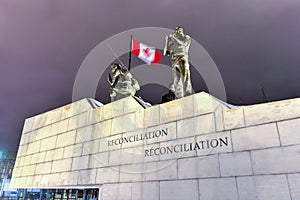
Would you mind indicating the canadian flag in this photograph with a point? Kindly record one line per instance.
(148, 54)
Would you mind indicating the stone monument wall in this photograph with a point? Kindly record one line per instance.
(196, 147)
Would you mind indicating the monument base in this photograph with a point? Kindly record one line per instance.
(196, 147)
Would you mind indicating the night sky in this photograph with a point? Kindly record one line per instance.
(43, 43)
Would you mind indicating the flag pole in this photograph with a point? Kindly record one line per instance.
(129, 64)
(264, 97)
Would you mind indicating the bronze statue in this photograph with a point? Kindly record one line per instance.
(177, 46)
(122, 84)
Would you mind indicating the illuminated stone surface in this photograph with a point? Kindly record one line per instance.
(190, 148)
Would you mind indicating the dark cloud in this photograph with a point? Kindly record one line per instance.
(43, 43)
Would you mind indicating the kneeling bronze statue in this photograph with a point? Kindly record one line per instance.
(122, 84)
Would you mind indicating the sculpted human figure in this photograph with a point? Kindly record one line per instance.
(122, 84)
(177, 46)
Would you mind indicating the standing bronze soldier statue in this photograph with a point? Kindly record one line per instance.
(177, 46)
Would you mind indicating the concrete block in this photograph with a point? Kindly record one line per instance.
(274, 187)
(75, 108)
(103, 146)
(14, 183)
(66, 139)
(17, 172)
(78, 121)
(18, 162)
(205, 103)
(134, 138)
(102, 129)
(131, 173)
(58, 154)
(71, 110)
(198, 167)
(53, 129)
(82, 120)
(87, 177)
(289, 132)
(61, 165)
(162, 170)
(80, 163)
(22, 151)
(271, 112)
(44, 180)
(116, 191)
(175, 149)
(26, 160)
(126, 156)
(109, 192)
(145, 191)
(113, 109)
(120, 157)
(67, 111)
(196, 126)
(149, 152)
(85, 104)
(99, 160)
(36, 181)
(256, 137)
(108, 175)
(22, 181)
(139, 118)
(178, 190)
(25, 139)
(294, 182)
(112, 143)
(32, 136)
(139, 154)
(235, 164)
(42, 133)
(84, 134)
(276, 160)
(176, 110)
(68, 178)
(161, 133)
(29, 180)
(38, 158)
(28, 170)
(73, 151)
(63, 126)
(220, 188)
(53, 180)
(124, 191)
(234, 118)
(55, 154)
(39, 121)
(48, 143)
(151, 116)
(53, 116)
(95, 115)
(219, 118)
(28, 125)
(131, 105)
(33, 147)
(91, 147)
(171, 111)
(43, 168)
(214, 143)
(73, 123)
(123, 124)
